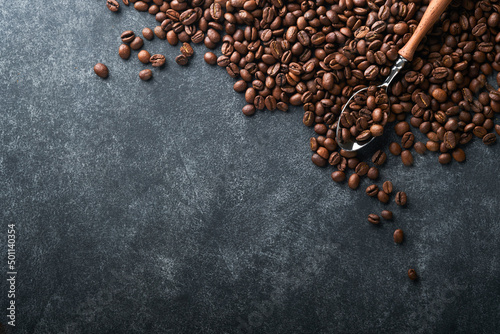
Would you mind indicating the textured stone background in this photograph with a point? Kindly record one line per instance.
(157, 207)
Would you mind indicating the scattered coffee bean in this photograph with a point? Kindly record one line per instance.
(400, 198)
(101, 70)
(407, 158)
(353, 181)
(148, 34)
(187, 50)
(157, 60)
(145, 74)
(372, 190)
(398, 236)
(412, 274)
(127, 36)
(181, 60)
(113, 5)
(210, 58)
(124, 51)
(386, 214)
(395, 148)
(144, 56)
(379, 158)
(374, 219)
(382, 196)
(338, 176)
(137, 43)
(387, 187)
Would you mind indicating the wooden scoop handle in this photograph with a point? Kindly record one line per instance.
(431, 15)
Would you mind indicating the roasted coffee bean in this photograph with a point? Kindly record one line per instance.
(127, 36)
(181, 60)
(412, 274)
(187, 50)
(124, 51)
(489, 139)
(148, 33)
(248, 110)
(145, 74)
(353, 181)
(382, 196)
(398, 236)
(419, 147)
(338, 176)
(372, 190)
(210, 58)
(444, 158)
(373, 218)
(400, 198)
(386, 214)
(137, 43)
(407, 158)
(387, 187)
(459, 155)
(379, 158)
(407, 140)
(113, 5)
(101, 70)
(157, 60)
(395, 148)
(373, 173)
(144, 56)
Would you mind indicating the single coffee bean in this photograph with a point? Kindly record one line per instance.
(373, 173)
(338, 176)
(387, 187)
(124, 51)
(497, 129)
(382, 197)
(395, 148)
(127, 36)
(400, 198)
(419, 147)
(101, 70)
(412, 274)
(148, 33)
(401, 128)
(137, 43)
(379, 158)
(113, 5)
(386, 214)
(248, 110)
(210, 58)
(317, 159)
(444, 158)
(374, 219)
(157, 60)
(187, 50)
(144, 56)
(407, 158)
(398, 236)
(181, 60)
(372, 190)
(458, 154)
(353, 181)
(489, 139)
(145, 74)
(407, 140)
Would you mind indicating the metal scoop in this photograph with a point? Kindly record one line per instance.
(431, 15)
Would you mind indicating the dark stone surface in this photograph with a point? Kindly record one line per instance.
(157, 207)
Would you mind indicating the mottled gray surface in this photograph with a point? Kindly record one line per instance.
(159, 208)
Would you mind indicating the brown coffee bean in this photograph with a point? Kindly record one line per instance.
(113, 5)
(148, 33)
(145, 74)
(373, 173)
(317, 159)
(127, 36)
(372, 190)
(400, 198)
(187, 50)
(124, 51)
(379, 158)
(386, 214)
(407, 158)
(353, 181)
(489, 139)
(210, 58)
(248, 110)
(157, 60)
(338, 176)
(407, 140)
(412, 274)
(181, 60)
(387, 187)
(444, 158)
(137, 43)
(459, 155)
(374, 219)
(419, 147)
(398, 236)
(101, 70)
(401, 128)
(144, 56)
(395, 148)
(382, 197)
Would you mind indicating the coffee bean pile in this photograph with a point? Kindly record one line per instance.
(317, 53)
